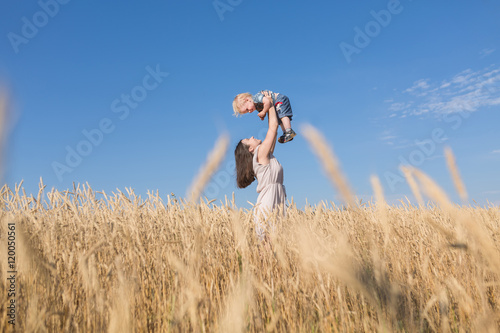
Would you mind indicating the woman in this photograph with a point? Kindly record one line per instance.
(255, 159)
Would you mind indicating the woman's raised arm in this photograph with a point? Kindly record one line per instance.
(267, 146)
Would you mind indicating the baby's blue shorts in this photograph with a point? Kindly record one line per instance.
(283, 107)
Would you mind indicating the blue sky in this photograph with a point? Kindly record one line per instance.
(141, 91)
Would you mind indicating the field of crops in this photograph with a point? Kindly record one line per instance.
(92, 262)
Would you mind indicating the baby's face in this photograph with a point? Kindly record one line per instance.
(247, 106)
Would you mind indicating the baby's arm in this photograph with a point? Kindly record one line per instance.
(268, 102)
(262, 115)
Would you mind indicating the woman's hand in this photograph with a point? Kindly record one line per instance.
(268, 95)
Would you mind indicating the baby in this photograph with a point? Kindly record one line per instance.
(248, 103)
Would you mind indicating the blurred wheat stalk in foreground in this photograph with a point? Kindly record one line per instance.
(214, 159)
(94, 261)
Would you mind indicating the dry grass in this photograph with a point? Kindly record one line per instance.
(117, 262)
(455, 175)
(214, 159)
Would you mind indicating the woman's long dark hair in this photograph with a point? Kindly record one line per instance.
(244, 165)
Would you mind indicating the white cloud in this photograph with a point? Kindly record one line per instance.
(387, 137)
(486, 52)
(497, 151)
(418, 86)
(399, 106)
(491, 73)
(466, 91)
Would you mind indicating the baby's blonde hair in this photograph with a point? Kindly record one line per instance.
(237, 101)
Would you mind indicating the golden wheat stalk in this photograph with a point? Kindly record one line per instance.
(407, 171)
(234, 315)
(214, 159)
(455, 175)
(329, 161)
(433, 191)
(121, 316)
(382, 214)
(378, 191)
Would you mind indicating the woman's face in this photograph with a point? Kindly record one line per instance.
(252, 143)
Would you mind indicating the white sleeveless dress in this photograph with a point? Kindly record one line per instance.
(270, 187)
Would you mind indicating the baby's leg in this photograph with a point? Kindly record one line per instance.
(285, 123)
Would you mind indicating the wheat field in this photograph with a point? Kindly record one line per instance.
(91, 261)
